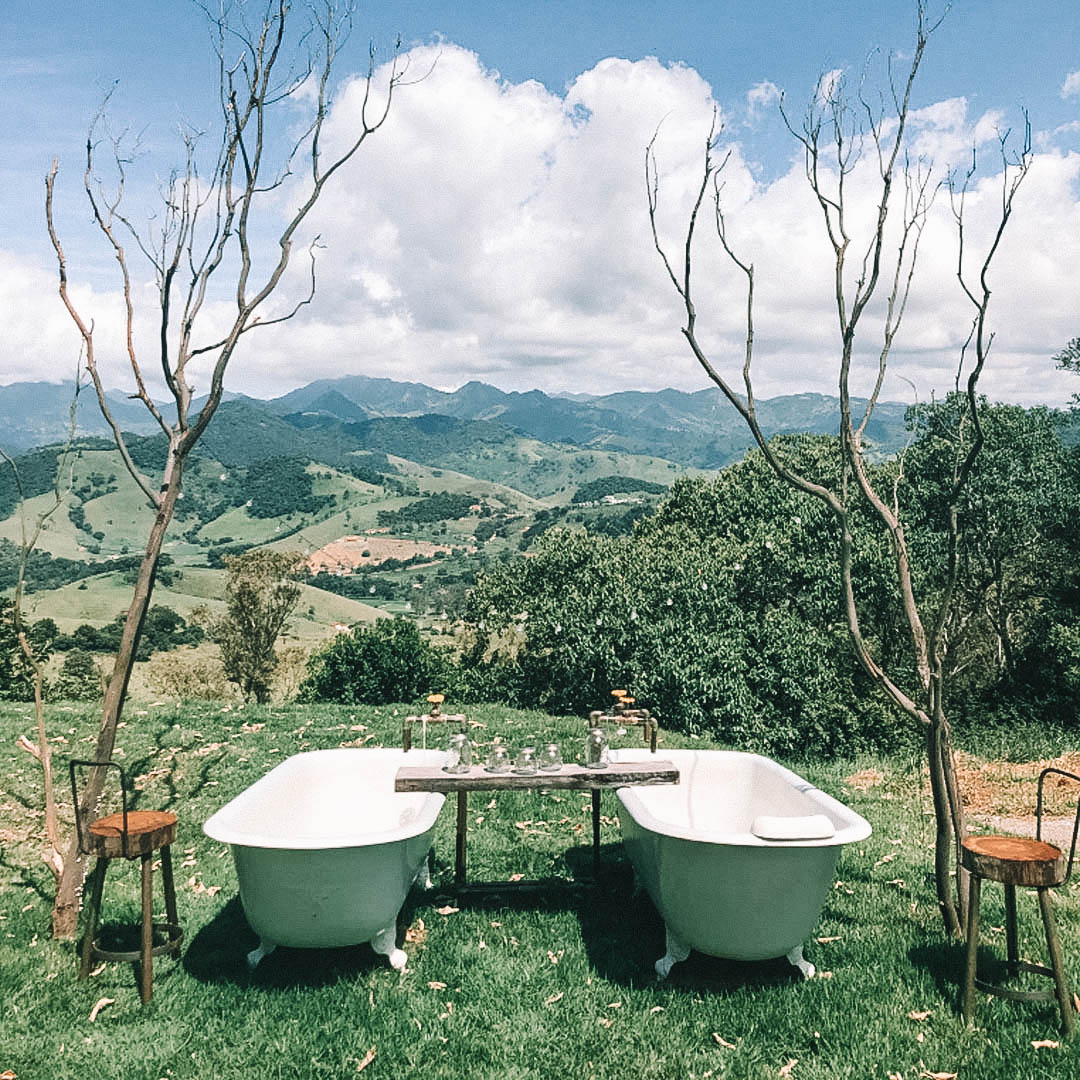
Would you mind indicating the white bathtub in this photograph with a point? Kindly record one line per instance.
(738, 857)
(326, 850)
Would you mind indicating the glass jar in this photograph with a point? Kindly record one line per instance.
(525, 762)
(596, 749)
(498, 759)
(551, 758)
(458, 753)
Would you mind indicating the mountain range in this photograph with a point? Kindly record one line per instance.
(329, 416)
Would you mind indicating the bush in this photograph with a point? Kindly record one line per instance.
(375, 665)
(79, 678)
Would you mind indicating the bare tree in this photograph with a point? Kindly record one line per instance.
(836, 135)
(206, 244)
(29, 536)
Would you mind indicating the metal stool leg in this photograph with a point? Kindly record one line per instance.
(146, 959)
(1057, 965)
(93, 912)
(972, 947)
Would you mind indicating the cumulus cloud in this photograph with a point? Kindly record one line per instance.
(499, 231)
(1071, 86)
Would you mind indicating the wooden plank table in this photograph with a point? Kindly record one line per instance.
(567, 778)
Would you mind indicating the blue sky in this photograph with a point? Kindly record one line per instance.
(532, 266)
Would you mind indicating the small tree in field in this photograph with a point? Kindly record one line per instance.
(260, 595)
(206, 246)
(836, 136)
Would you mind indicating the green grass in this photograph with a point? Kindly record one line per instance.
(553, 984)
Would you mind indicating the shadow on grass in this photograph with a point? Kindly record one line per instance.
(623, 936)
(218, 954)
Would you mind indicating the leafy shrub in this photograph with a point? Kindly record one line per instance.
(190, 675)
(375, 665)
(79, 678)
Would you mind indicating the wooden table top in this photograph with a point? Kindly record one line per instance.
(569, 777)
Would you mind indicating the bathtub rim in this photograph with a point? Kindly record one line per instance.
(851, 827)
(218, 826)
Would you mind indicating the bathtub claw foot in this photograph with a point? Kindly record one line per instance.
(385, 944)
(423, 875)
(256, 956)
(677, 951)
(796, 959)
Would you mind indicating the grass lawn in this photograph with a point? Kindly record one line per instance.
(555, 984)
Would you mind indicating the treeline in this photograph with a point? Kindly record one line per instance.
(440, 506)
(597, 489)
(723, 611)
(45, 571)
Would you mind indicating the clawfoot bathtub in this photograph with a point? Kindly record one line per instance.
(326, 850)
(738, 857)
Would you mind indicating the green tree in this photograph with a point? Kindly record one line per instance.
(79, 678)
(16, 670)
(386, 662)
(260, 594)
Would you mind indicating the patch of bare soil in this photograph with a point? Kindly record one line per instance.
(350, 552)
(1009, 789)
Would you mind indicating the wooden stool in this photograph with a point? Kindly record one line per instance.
(129, 834)
(1033, 864)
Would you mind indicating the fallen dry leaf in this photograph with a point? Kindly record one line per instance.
(917, 1014)
(555, 957)
(603, 1021)
(721, 1041)
(786, 1070)
(938, 1075)
(896, 1076)
(101, 1003)
(1076, 1002)
(826, 940)
(447, 910)
(97, 971)
(1045, 1044)
(886, 858)
(366, 1060)
(417, 933)
(614, 1004)
(436, 985)
(823, 975)
(8, 1074)
(516, 877)
(554, 997)
(655, 1009)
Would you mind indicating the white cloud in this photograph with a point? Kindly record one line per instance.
(499, 231)
(1071, 86)
(762, 95)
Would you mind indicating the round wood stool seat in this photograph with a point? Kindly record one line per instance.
(1013, 860)
(147, 830)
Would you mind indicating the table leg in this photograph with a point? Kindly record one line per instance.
(462, 829)
(596, 831)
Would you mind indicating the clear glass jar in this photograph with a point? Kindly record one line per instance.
(498, 759)
(596, 749)
(525, 762)
(551, 758)
(458, 753)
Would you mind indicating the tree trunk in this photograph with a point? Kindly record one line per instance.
(943, 790)
(65, 915)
